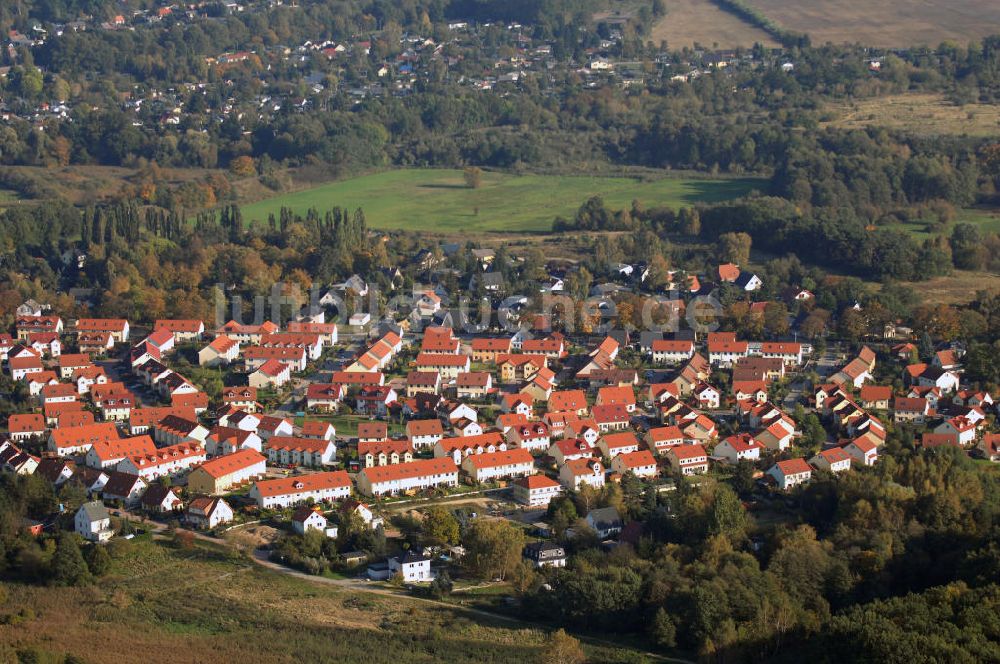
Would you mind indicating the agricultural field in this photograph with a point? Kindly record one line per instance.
(885, 23)
(690, 22)
(924, 114)
(165, 605)
(439, 200)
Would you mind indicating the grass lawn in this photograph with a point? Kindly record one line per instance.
(438, 200)
(200, 606)
(347, 425)
(988, 221)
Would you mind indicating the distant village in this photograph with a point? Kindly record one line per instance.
(318, 422)
(359, 78)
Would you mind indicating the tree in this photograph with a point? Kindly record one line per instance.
(662, 630)
(98, 560)
(242, 166)
(561, 648)
(727, 516)
(473, 176)
(735, 247)
(492, 548)
(440, 527)
(68, 566)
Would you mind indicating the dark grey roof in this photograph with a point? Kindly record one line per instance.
(95, 510)
(603, 518)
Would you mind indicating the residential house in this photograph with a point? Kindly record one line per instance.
(93, 522)
(408, 477)
(424, 434)
(688, 459)
(221, 474)
(536, 490)
(575, 472)
(790, 473)
(834, 460)
(737, 448)
(287, 491)
(545, 554)
(207, 512)
(292, 451)
(640, 463)
(503, 464)
(606, 521)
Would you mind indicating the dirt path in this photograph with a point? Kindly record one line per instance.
(260, 557)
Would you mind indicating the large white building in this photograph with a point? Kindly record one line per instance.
(404, 477)
(504, 464)
(288, 491)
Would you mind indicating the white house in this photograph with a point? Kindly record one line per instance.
(790, 473)
(741, 447)
(93, 522)
(834, 460)
(575, 472)
(640, 463)
(503, 464)
(407, 477)
(413, 567)
(207, 512)
(536, 490)
(287, 491)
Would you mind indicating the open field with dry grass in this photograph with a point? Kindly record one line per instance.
(958, 288)
(690, 22)
(926, 114)
(162, 604)
(885, 22)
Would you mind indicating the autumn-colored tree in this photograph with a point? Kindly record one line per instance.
(473, 176)
(243, 166)
(776, 318)
(561, 648)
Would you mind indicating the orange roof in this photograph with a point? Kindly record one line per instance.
(532, 482)
(794, 466)
(231, 463)
(638, 459)
(387, 446)
(222, 343)
(500, 345)
(167, 455)
(24, 423)
(420, 468)
(464, 442)
(67, 360)
(441, 360)
(85, 435)
(102, 324)
(621, 439)
(191, 326)
(424, 428)
(294, 443)
(729, 272)
(672, 346)
(875, 393)
(567, 400)
(335, 479)
(120, 448)
(501, 458)
(688, 452)
(616, 395)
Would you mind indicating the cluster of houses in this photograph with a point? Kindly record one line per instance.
(542, 414)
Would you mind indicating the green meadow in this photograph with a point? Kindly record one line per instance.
(439, 201)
